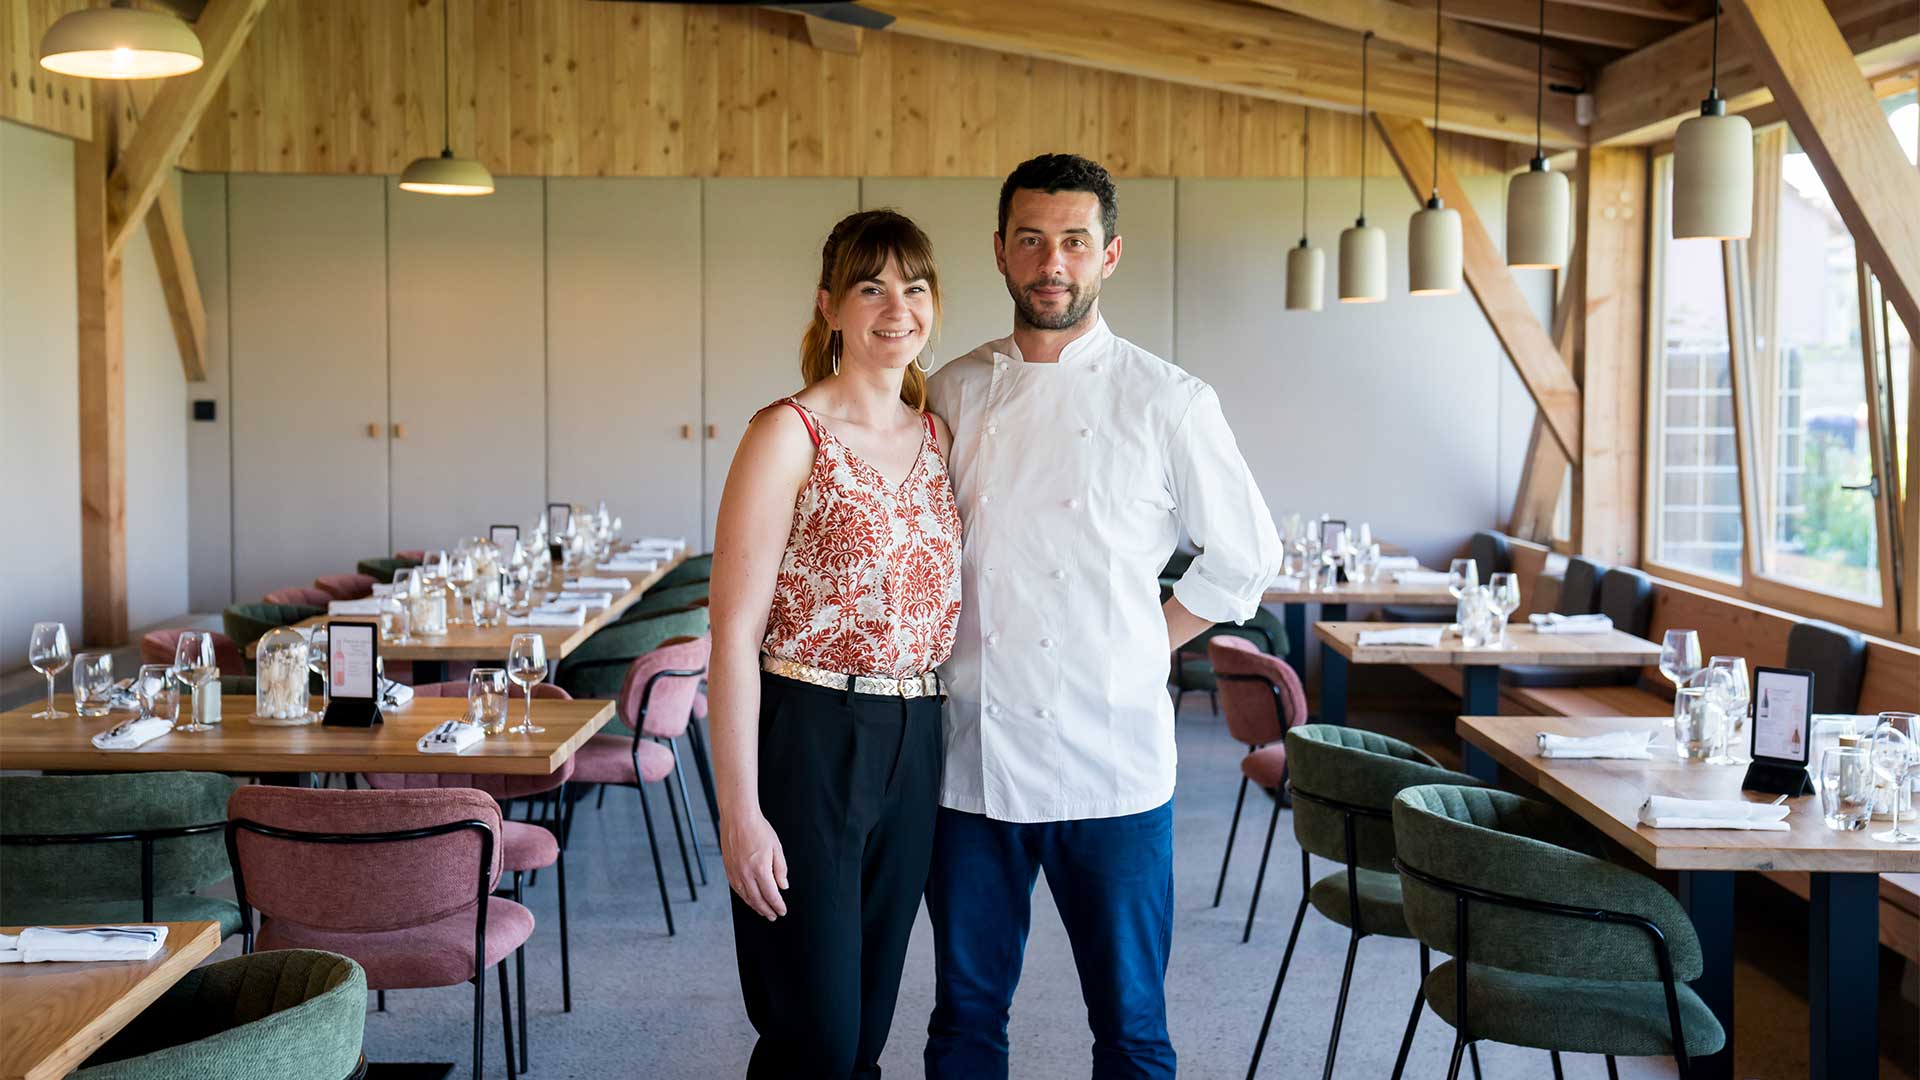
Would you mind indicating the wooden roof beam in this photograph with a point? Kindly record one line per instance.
(830, 36)
(1464, 43)
(1685, 11)
(1566, 23)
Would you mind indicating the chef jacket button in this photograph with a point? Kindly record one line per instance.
(993, 710)
(993, 429)
(1073, 504)
(1058, 575)
(993, 638)
(1044, 713)
(1046, 643)
(1086, 433)
(1095, 368)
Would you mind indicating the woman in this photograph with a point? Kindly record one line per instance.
(836, 592)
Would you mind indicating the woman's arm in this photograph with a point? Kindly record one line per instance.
(942, 435)
(756, 516)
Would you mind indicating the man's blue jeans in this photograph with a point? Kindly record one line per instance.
(1112, 879)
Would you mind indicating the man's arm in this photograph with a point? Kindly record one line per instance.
(1182, 625)
(1220, 508)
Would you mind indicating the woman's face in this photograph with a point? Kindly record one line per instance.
(883, 320)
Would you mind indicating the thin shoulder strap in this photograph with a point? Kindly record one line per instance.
(805, 418)
(933, 437)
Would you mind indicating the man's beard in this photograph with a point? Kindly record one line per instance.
(1079, 301)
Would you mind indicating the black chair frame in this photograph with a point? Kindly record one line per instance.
(145, 837)
(1281, 799)
(1463, 894)
(238, 825)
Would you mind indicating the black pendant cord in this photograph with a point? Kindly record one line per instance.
(446, 85)
(1365, 117)
(1713, 90)
(1306, 170)
(1435, 195)
(1540, 81)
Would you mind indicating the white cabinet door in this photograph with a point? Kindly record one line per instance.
(623, 350)
(763, 240)
(309, 363)
(468, 386)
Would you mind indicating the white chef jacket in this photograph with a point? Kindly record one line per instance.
(1074, 480)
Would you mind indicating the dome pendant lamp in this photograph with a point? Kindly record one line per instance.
(1306, 266)
(1713, 167)
(446, 174)
(120, 42)
(1363, 247)
(1538, 201)
(1433, 236)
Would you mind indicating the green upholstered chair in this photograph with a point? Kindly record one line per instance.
(599, 666)
(291, 1014)
(1344, 781)
(656, 600)
(246, 623)
(1193, 671)
(695, 569)
(114, 848)
(1553, 947)
(383, 569)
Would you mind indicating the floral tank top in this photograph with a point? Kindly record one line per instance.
(870, 581)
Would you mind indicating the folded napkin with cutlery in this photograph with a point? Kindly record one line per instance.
(1428, 636)
(1614, 744)
(1667, 812)
(1556, 623)
(40, 944)
(551, 615)
(668, 543)
(617, 584)
(132, 734)
(1284, 581)
(451, 737)
(366, 606)
(1398, 562)
(394, 695)
(1420, 577)
(592, 601)
(625, 565)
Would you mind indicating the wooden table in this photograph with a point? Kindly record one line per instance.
(1844, 869)
(240, 746)
(1333, 606)
(1479, 668)
(54, 1015)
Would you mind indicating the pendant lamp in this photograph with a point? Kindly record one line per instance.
(120, 42)
(1538, 200)
(1363, 247)
(1713, 167)
(1433, 236)
(446, 174)
(1306, 265)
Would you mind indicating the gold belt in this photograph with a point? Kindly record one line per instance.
(926, 684)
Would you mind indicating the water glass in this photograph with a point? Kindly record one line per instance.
(47, 652)
(318, 659)
(1462, 574)
(1699, 724)
(487, 592)
(92, 683)
(159, 695)
(1846, 787)
(1729, 688)
(487, 699)
(1478, 621)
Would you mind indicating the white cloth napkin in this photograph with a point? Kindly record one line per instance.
(546, 615)
(592, 601)
(669, 543)
(628, 565)
(451, 737)
(394, 695)
(617, 584)
(1420, 577)
(1398, 562)
(1555, 623)
(133, 734)
(1284, 581)
(383, 588)
(1667, 812)
(1614, 744)
(1428, 636)
(39, 944)
(366, 606)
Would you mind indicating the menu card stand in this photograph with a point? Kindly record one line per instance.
(1782, 714)
(353, 650)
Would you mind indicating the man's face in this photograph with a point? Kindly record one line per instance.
(1054, 257)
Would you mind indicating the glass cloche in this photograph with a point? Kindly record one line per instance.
(280, 685)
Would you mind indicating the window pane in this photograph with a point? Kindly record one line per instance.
(1900, 352)
(1811, 400)
(1696, 489)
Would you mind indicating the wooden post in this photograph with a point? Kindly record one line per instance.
(1611, 187)
(103, 429)
(167, 229)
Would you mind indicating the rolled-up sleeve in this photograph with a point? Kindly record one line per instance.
(1220, 507)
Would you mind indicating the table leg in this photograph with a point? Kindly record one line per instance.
(1843, 976)
(1330, 613)
(1480, 696)
(1296, 622)
(1708, 897)
(1333, 688)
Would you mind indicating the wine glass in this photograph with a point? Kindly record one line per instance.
(48, 653)
(435, 567)
(406, 586)
(1504, 598)
(194, 665)
(1897, 754)
(1728, 689)
(1680, 656)
(527, 665)
(317, 659)
(1462, 574)
(461, 574)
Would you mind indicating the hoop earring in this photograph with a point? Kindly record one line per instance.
(833, 346)
(926, 368)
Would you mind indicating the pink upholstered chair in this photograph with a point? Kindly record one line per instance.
(654, 703)
(305, 595)
(346, 586)
(400, 881)
(414, 555)
(1262, 697)
(158, 647)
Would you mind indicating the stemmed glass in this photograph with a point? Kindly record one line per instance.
(1728, 689)
(317, 660)
(527, 665)
(1680, 656)
(406, 588)
(1504, 598)
(194, 665)
(461, 574)
(1898, 755)
(1462, 574)
(48, 653)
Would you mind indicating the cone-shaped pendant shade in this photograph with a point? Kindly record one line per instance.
(1363, 264)
(1433, 250)
(447, 175)
(1538, 209)
(1713, 175)
(120, 43)
(1306, 278)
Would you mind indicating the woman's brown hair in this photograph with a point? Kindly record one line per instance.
(858, 249)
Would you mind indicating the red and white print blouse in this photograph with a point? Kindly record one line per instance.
(870, 581)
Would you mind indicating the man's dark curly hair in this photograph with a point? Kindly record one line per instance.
(1052, 173)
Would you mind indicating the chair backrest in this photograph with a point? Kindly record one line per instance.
(657, 599)
(370, 882)
(346, 586)
(416, 556)
(301, 596)
(630, 638)
(159, 646)
(1580, 587)
(1326, 762)
(1177, 564)
(1490, 553)
(1505, 844)
(499, 786)
(656, 698)
(245, 623)
(1260, 694)
(1837, 657)
(107, 804)
(383, 569)
(1626, 597)
(694, 568)
(1264, 630)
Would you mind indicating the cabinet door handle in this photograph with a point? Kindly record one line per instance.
(713, 430)
(686, 431)
(399, 431)
(373, 431)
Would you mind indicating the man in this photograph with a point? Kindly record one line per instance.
(1077, 459)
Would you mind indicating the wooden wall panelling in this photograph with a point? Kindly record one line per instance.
(30, 94)
(1611, 190)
